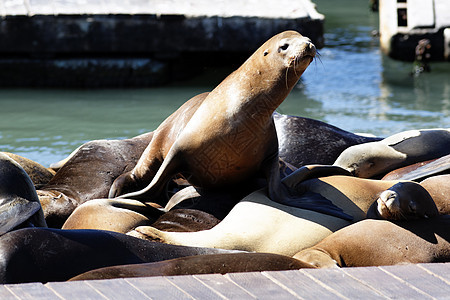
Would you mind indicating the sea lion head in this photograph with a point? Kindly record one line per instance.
(404, 201)
(369, 159)
(290, 49)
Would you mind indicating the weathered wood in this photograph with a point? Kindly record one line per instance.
(158, 288)
(384, 283)
(260, 286)
(75, 289)
(343, 284)
(439, 270)
(33, 290)
(5, 294)
(420, 279)
(194, 287)
(302, 285)
(117, 289)
(224, 286)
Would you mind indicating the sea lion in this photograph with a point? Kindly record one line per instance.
(201, 264)
(259, 224)
(42, 255)
(378, 158)
(39, 174)
(118, 215)
(421, 170)
(230, 136)
(439, 189)
(19, 203)
(404, 201)
(380, 242)
(303, 141)
(88, 174)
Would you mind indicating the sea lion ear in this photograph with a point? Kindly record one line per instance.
(266, 52)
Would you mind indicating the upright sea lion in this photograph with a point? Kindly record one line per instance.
(230, 136)
(42, 255)
(259, 224)
(381, 242)
(19, 203)
(88, 174)
(200, 264)
(378, 158)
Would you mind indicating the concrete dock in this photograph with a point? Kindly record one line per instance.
(137, 42)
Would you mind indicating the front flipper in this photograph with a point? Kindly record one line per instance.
(15, 212)
(288, 191)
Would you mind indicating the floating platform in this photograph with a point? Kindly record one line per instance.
(415, 281)
(403, 23)
(137, 42)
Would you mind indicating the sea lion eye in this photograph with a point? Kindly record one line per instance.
(266, 52)
(283, 48)
(412, 206)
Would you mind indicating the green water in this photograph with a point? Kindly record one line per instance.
(352, 86)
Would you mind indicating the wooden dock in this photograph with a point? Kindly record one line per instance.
(137, 42)
(420, 281)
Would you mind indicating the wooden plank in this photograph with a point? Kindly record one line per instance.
(224, 286)
(301, 284)
(440, 270)
(5, 294)
(342, 283)
(260, 286)
(34, 290)
(193, 287)
(384, 283)
(420, 279)
(68, 290)
(158, 288)
(116, 289)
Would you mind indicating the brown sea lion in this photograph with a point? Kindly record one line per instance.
(381, 242)
(421, 170)
(42, 255)
(230, 136)
(404, 201)
(402, 149)
(118, 215)
(88, 174)
(439, 189)
(259, 224)
(39, 175)
(201, 264)
(19, 203)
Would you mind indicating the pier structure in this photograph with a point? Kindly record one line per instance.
(408, 25)
(137, 42)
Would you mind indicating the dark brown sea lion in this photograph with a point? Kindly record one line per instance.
(421, 170)
(185, 220)
(42, 255)
(201, 264)
(404, 201)
(439, 189)
(88, 174)
(381, 242)
(402, 149)
(304, 141)
(19, 203)
(39, 175)
(230, 136)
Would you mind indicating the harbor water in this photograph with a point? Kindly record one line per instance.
(350, 85)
